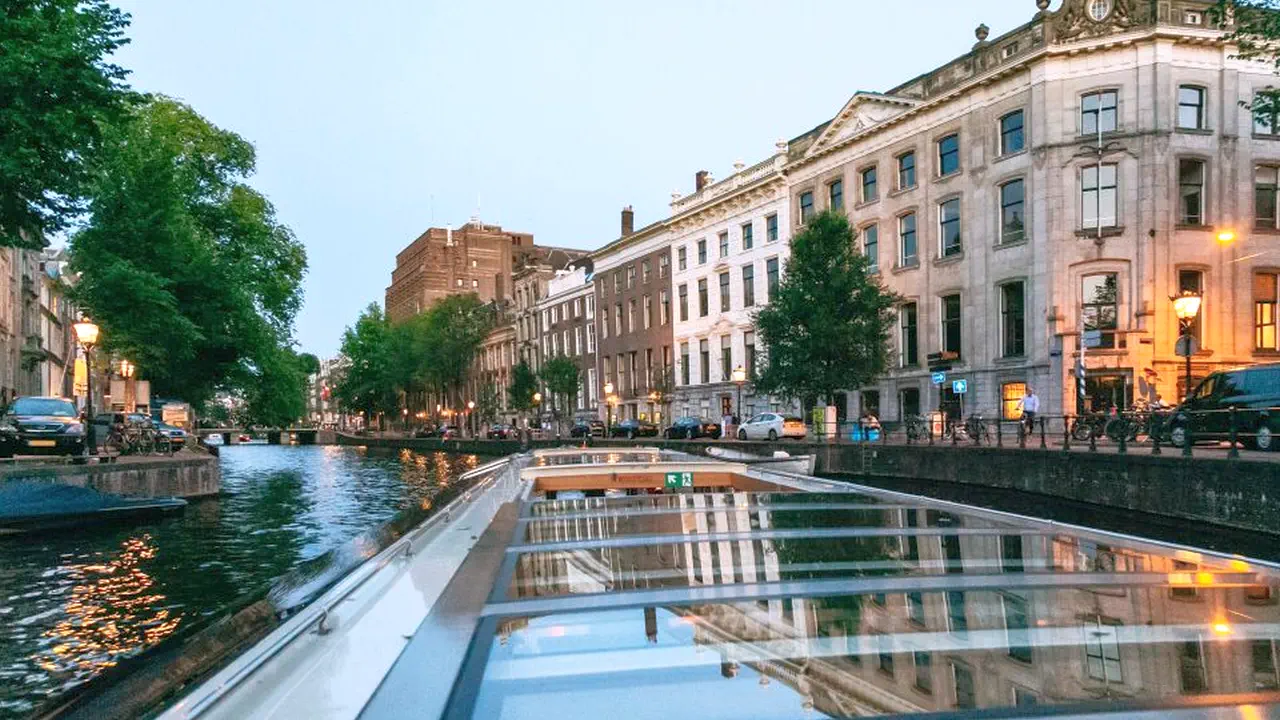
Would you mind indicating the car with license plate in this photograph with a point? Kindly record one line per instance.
(692, 428)
(634, 428)
(176, 435)
(587, 428)
(42, 426)
(1253, 392)
(772, 426)
(500, 431)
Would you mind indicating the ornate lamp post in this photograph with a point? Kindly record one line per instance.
(471, 416)
(127, 371)
(608, 409)
(87, 334)
(739, 377)
(1186, 306)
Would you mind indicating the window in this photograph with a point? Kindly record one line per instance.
(748, 285)
(1265, 118)
(608, 370)
(577, 340)
(771, 228)
(1098, 112)
(886, 653)
(1016, 628)
(724, 244)
(1011, 137)
(1193, 281)
(617, 320)
(949, 155)
(1011, 394)
(703, 305)
(1013, 319)
(457, 282)
(704, 358)
(915, 608)
(957, 621)
(749, 345)
(631, 276)
(591, 338)
(724, 292)
(682, 258)
(644, 271)
(684, 363)
(702, 251)
(908, 352)
(1098, 199)
(951, 324)
(871, 246)
(604, 323)
(1011, 545)
(869, 191)
(1102, 650)
(1190, 192)
(949, 228)
(906, 171)
(726, 357)
(1191, 657)
(748, 236)
(771, 277)
(1263, 656)
(475, 283)
(664, 305)
(1023, 697)
(806, 206)
(835, 195)
(951, 551)
(1101, 308)
(1264, 311)
(965, 695)
(617, 281)
(924, 671)
(1264, 197)
(684, 303)
(907, 240)
(1012, 195)
(1191, 107)
(647, 311)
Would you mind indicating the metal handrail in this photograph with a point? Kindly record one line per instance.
(341, 591)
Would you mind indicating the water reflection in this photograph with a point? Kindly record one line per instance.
(75, 603)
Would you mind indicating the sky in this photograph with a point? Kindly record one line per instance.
(376, 120)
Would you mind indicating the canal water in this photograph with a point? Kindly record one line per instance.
(75, 602)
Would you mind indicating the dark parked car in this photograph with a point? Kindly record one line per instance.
(587, 428)
(42, 426)
(501, 431)
(634, 428)
(1252, 391)
(450, 432)
(691, 428)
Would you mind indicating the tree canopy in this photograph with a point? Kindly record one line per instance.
(368, 382)
(183, 265)
(524, 383)
(58, 94)
(1254, 27)
(561, 377)
(827, 326)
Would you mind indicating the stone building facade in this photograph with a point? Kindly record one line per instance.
(730, 241)
(566, 317)
(634, 327)
(1054, 187)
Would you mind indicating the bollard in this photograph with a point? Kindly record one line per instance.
(1093, 439)
(1066, 433)
(1156, 429)
(1234, 452)
(1186, 438)
(955, 436)
(909, 433)
(1043, 444)
(929, 427)
(1124, 437)
(1022, 433)
(999, 434)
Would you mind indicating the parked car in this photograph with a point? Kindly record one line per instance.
(177, 436)
(450, 432)
(426, 431)
(587, 428)
(41, 426)
(1251, 391)
(691, 428)
(771, 426)
(500, 431)
(634, 428)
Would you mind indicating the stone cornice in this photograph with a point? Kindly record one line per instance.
(764, 189)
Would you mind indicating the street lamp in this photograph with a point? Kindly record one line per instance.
(1186, 306)
(87, 334)
(608, 408)
(1225, 236)
(471, 406)
(739, 377)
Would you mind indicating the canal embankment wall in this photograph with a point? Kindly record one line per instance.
(186, 475)
(1231, 492)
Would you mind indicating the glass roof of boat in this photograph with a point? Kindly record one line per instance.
(790, 605)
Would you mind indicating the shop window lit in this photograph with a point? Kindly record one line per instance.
(1011, 395)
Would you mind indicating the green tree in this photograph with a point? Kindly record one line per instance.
(310, 363)
(367, 384)
(662, 387)
(561, 376)
(488, 402)
(1253, 26)
(57, 94)
(524, 383)
(182, 264)
(827, 327)
(276, 396)
(453, 329)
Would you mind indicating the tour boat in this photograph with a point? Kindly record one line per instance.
(642, 583)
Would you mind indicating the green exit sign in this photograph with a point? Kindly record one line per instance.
(679, 480)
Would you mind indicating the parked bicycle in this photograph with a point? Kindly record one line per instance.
(917, 428)
(976, 429)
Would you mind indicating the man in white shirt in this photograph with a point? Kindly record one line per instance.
(1030, 404)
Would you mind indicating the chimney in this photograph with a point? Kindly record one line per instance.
(628, 221)
(701, 179)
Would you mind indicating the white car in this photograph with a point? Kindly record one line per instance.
(771, 426)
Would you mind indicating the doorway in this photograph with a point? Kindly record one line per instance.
(1105, 390)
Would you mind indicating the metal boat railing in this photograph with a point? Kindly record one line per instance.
(317, 615)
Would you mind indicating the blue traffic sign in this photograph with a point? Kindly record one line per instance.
(939, 378)
(959, 387)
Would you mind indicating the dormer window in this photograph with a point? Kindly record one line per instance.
(1099, 10)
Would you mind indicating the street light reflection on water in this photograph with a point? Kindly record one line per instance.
(73, 604)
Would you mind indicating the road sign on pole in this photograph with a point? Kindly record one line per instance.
(939, 378)
(959, 387)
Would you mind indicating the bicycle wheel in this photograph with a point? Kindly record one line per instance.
(1116, 428)
(1081, 430)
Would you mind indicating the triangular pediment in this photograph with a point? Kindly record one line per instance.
(864, 110)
